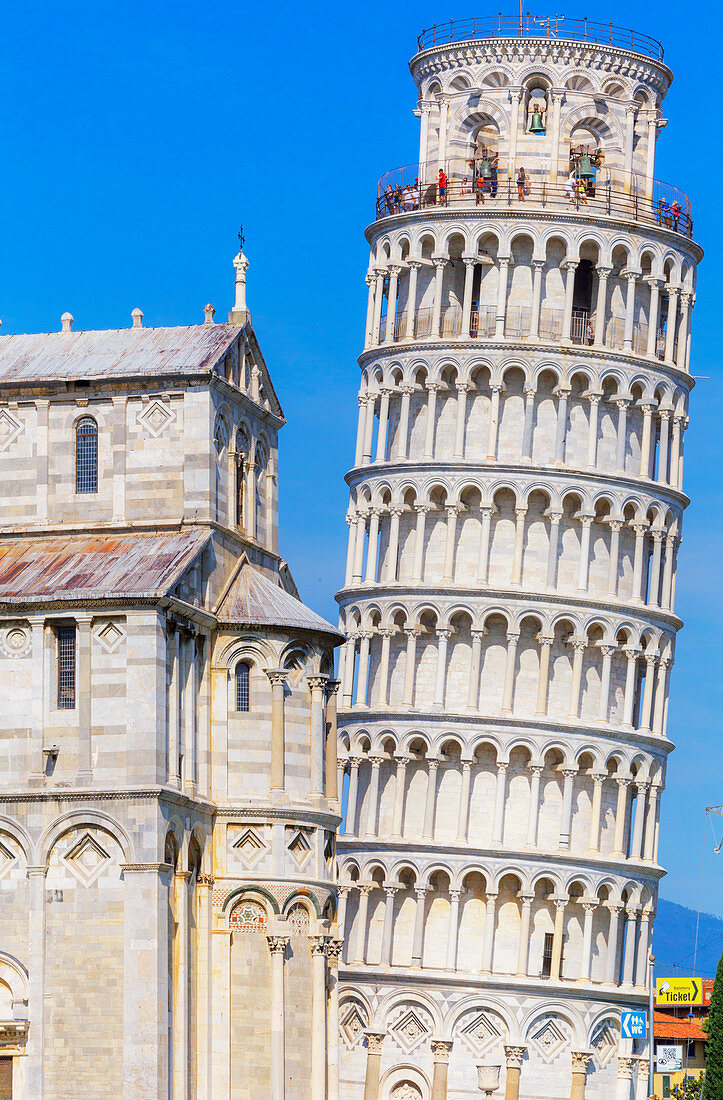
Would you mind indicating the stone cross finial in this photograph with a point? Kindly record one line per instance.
(137, 316)
(67, 322)
(208, 314)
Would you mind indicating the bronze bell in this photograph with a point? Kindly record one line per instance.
(485, 169)
(537, 126)
(584, 169)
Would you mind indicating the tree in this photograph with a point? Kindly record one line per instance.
(714, 1044)
(687, 1090)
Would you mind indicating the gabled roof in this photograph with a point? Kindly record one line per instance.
(113, 353)
(254, 600)
(91, 567)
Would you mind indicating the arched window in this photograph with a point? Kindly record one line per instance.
(249, 916)
(243, 686)
(86, 456)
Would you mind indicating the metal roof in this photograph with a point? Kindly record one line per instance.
(88, 567)
(113, 353)
(254, 600)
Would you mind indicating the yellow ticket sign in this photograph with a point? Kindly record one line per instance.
(678, 991)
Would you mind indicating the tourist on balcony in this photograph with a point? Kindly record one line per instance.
(676, 210)
(442, 187)
(493, 178)
(582, 191)
(398, 199)
(479, 190)
(569, 187)
(522, 185)
(465, 187)
(389, 198)
(408, 198)
(416, 194)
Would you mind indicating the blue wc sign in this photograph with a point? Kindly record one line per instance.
(634, 1025)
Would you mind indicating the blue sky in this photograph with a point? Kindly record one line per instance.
(136, 137)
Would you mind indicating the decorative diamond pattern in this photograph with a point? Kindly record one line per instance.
(87, 859)
(480, 1033)
(110, 637)
(352, 1026)
(604, 1043)
(156, 418)
(7, 860)
(300, 847)
(410, 1031)
(10, 429)
(550, 1038)
(249, 847)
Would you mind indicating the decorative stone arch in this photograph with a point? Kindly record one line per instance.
(608, 127)
(434, 867)
(423, 232)
(15, 831)
(395, 997)
(466, 120)
(498, 873)
(355, 1015)
(78, 818)
(372, 864)
(15, 977)
(562, 1009)
(405, 1082)
(416, 735)
(558, 745)
(303, 896)
(487, 739)
(550, 873)
(588, 750)
(382, 736)
(256, 893)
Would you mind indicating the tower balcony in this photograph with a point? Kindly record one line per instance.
(415, 188)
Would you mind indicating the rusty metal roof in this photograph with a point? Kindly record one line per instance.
(90, 567)
(255, 600)
(113, 353)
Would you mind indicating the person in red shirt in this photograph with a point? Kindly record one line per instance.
(442, 186)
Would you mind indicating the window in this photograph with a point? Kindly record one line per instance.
(243, 694)
(65, 634)
(86, 456)
(547, 956)
(240, 479)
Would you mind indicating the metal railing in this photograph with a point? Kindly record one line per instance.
(576, 30)
(518, 321)
(416, 187)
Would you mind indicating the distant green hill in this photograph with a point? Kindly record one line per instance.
(674, 941)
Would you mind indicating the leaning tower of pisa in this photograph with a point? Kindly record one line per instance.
(515, 515)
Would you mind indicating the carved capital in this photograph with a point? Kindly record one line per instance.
(441, 1049)
(514, 1056)
(374, 1042)
(277, 944)
(318, 945)
(580, 1059)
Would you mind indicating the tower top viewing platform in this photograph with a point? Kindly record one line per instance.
(555, 27)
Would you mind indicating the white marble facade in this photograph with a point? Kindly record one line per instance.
(514, 521)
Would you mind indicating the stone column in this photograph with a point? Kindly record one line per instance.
(378, 302)
(651, 349)
(361, 524)
(418, 933)
(566, 821)
(469, 266)
(495, 391)
(561, 429)
(527, 426)
(649, 851)
(484, 545)
(646, 709)
(429, 426)
(317, 733)
(461, 418)
(612, 973)
(520, 514)
(180, 985)
(674, 474)
(331, 763)
(387, 930)
(278, 678)
(354, 763)
(681, 360)
(622, 434)
(362, 677)
(441, 675)
(414, 266)
(534, 809)
(514, 1057)
(594, 399)
(515, 96)
(598, 779)
(578, 645)
(474, 672)
(569, 267)
(449, 544)
(489, 936)
(361, 932)
(385, 633)
(429, 805)
(555, 518)
(395, 512)
(504, 264)
(621, 814)
(333, 954)
(580, 1059)
(586, 524)
(369, 429)
(370, 280)
(631, 652)
(601, 305)
(383, 426)
(412, 633)
(440, 263)
(84, 626)
(556, 97)
(643, 941)
(374, 1059)
(631, 277)
(524, 941)
(636, 848)
(418, 562)
(373, 547)
(399, 793)
(673, 292)
(440, 1052)
(625, 1077)
(373, 800)
(403, 430)
(341, 909)
(453, 929)
(589, 906)
(392, 303)
(639, 529)
(277, 947)
(557, 937)
(499, 811)
(615, 525)
(512, 640)
(463, 812)
(664, 418)
(36, 983)
(537, 267)
(351, 548)
(631, 917)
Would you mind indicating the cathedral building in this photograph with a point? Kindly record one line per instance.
(169, 799)
(515, 515)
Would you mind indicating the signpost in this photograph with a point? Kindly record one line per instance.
(634, 1025)
(678, 991)
(669, 1058)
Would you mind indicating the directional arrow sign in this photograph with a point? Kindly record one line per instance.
(634, 1025)
(678, 991)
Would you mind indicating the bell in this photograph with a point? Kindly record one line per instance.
(537, 126)
(485, 169)
(584, 169)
